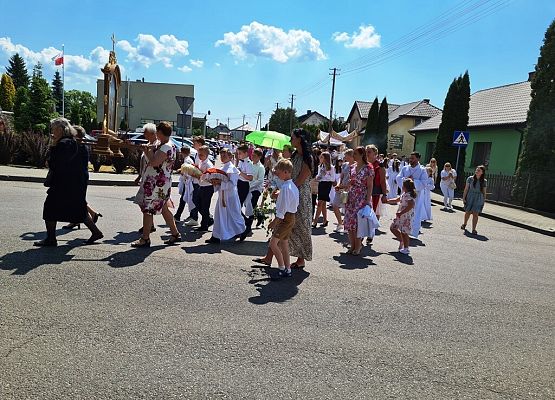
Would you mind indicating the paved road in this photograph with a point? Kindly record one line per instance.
(463, 318)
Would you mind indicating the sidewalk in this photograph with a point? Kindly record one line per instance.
(513, 216)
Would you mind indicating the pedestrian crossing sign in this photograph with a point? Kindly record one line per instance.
(460, 138)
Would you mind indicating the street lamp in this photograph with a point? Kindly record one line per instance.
(204, 125)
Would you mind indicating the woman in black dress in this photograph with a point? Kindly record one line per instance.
(67, 181)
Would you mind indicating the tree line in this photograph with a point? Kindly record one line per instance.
(35, 102)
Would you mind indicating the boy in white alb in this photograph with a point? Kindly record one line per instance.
(286, 207)
(228, 221)
(256, 186)
(206, 191)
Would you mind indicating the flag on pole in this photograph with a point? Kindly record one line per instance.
(58, 59)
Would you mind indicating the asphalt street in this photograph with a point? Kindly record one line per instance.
(461, 318)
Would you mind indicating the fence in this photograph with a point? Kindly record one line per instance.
(503, 188)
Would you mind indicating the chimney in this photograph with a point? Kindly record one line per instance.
(531, 76)
(426, 101)
(308, 111)
(143, 80)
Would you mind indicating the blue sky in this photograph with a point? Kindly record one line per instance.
(245, 56)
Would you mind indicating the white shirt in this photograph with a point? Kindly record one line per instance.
(245, 166)
(257, 182)
(203, 166)
(288, 199)
(445, 174)
(325, 176)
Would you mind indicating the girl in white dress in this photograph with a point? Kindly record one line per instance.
(228, 221)
(392, 172)
(427, 193)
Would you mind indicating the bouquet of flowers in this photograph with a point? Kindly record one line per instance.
(267, 208)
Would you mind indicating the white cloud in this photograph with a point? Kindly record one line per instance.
(218, 65)
(197, 63)
(149, 50)
(185, 68)
(272, 42)
(365, 38)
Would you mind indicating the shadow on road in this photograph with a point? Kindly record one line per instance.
(130, 257)
(348, 261)
(478, 237)
(246, 248)
(124, 237)
(22, 262)
(274, 291)
(416, 242)
(402, 258)
(35, 236)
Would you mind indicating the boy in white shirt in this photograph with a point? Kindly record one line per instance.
(257, 183)
(286, 206)
(206, 191)
(244, 164)
(185, 187)
(198, 142)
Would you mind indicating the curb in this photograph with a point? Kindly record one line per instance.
(506, 221)
(92, 182)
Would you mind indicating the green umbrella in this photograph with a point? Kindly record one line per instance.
(271, 139)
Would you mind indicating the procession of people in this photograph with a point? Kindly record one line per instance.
(289, 188)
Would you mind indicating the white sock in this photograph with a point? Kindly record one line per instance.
(282, 267)
(288, 270)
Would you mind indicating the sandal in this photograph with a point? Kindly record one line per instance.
(474, 232)
(173, 239)
(142, 242)
(261, 261)
(324, 224)
(355, 252)
(71, 226)
(96, 216)
(463, 227)
(94, 238)
(297, 266)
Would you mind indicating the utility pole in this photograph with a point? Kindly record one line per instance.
(277, 106)
(334, 74)
(227, 122)
(243, 121)
(291, 114)
(259, 118)
(217, 122)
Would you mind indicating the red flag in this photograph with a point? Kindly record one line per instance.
(58, 59)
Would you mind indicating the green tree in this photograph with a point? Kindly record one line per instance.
(383, 127)
(371, 131)
(280, 121)
(57, 91)
(538, 146)
(17, 70)
(22, 122)
(7, 93)
(41, 104)
(80, 109)
(454, 118)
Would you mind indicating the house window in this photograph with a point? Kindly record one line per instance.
(430, 147)
(481, 153)
(418, 121)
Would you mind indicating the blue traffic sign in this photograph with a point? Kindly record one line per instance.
(460, 138)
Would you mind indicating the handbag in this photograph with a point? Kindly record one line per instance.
(343, 196)
(452, 185)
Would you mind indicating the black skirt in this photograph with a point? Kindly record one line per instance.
(324, 189)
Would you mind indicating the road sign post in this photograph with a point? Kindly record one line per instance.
(460, 139)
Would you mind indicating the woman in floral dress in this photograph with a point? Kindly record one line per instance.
(360, 195)
(154, 195)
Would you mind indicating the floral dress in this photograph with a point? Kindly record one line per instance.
(357, 198)
(300, 242)
(404, 222)
(157, 182)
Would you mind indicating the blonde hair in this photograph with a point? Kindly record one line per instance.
(204, 150)
(373, 148)
(284, 165)
(447, 164)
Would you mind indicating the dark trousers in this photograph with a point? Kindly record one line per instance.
(205, 199)
(243, 188)
(255, 195)
(180, 208)
(196, 201)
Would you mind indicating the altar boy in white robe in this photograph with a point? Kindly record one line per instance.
(418, 174)
(228, 221)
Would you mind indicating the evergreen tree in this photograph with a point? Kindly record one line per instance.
(534, 181)
(22, 122)
(41, 104)
(17, 70)
(7, 93)
(57, 91)
(383, 127)
(454, 118)
(371, 132)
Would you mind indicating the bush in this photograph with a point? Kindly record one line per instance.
(9, 146)
(35, 148)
